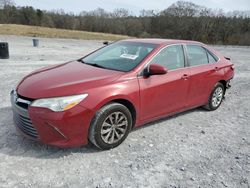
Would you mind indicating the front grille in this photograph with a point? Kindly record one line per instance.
(25, 125)
(23, 104)
(21, 116)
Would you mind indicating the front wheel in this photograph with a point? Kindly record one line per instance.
(110, 126)
(216, 97)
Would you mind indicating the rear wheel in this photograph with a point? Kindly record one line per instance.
(216, 97)
(110, 126)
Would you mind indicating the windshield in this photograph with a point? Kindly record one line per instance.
(121, 56)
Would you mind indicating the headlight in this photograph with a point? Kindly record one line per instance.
(59, 104)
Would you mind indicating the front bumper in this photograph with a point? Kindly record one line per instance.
(62, 129)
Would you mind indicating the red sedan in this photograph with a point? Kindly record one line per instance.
(101, 97)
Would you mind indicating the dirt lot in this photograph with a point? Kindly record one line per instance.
(193, 149)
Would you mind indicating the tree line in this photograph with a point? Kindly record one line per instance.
(182, 20)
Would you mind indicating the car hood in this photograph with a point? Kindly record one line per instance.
(64, 80)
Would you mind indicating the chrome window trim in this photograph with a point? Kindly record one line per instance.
(185, 53)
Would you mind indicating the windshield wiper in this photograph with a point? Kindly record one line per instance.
(96, 65)
(92, 64)
(81, 60)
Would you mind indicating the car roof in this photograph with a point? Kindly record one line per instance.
(162, 41)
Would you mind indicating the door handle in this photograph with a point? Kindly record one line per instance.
(185, 77)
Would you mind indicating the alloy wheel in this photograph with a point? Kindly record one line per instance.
(114, 128)
(217, 97)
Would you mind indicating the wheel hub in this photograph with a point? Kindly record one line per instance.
(114, 128)
(217, 97)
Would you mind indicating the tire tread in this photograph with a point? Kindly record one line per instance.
(97, 117)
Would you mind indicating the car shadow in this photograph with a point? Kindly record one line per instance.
(12, 143)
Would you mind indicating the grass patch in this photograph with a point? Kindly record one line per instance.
(36, 31)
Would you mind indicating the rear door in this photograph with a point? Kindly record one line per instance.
(164, 94)
(204, 73)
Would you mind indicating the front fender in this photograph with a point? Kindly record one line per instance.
(100, 96)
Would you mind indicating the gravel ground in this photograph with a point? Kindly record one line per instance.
(193, 149)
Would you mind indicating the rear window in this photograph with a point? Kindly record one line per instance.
(196, 55)
(211, 57)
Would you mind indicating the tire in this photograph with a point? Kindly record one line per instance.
(110, 126)
(216, 97)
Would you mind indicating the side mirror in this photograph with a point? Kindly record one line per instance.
(155, 69)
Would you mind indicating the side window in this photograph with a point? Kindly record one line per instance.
(196, 55)
(171, 57)
(211, 58)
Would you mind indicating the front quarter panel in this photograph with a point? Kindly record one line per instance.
(124, 88)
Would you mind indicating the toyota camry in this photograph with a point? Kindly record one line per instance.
(101, 97)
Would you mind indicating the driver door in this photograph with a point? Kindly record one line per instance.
(165, 94)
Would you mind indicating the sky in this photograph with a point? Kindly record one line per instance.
(76, 6)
